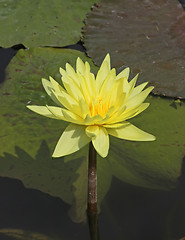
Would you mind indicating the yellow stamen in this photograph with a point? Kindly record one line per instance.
(99, 106)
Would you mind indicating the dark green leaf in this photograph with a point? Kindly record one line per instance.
(42, 22)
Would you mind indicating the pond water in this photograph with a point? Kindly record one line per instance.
(127, 213)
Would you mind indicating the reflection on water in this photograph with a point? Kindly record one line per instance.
(34, 211)
(127, 212)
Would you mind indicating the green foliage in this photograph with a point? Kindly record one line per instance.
(153, 164)
(42, 23)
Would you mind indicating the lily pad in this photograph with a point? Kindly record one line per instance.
(147, 36)
(153, 164)
(25, 156)
(42, 23)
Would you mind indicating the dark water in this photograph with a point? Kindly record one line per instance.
(127, 212)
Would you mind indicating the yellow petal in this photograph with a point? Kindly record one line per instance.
(48, 88)
(115, 125)
(69, 102)
(70, 71)
(137, 90)
(127, 114)
(130, 132)
(72, 77)
(71, 87)
(84, 108)
(126, 86)
(56, 85)
(116, 116)
(80, 66)
(103, 71)
(136, 111)
(42, 110)
(139, 98)
(100, 139)
(123, 74)
(90, 80)
(65, 115)
(132, 83)
(87, 68)
(72, 139)
(129, 86)
(118, 97)
(92, 120)
(92, 131)
(108, 83)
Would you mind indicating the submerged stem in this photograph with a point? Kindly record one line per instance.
(92, 194)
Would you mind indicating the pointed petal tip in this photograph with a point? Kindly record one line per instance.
(54, 155)
(44, 81)
(67, 65)
(149, 90)
(107, 57)
(79, 59)
(148, 138)
(51, 78)
(103, 155)
(31, 107)
(152, 138)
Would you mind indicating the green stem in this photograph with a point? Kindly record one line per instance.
(92, 194)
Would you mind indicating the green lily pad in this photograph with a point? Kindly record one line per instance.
(147, 36)
(153, 164)
(25, 156)
(42, 23)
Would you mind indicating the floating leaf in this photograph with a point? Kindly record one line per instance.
(153, 164)
(147, 36)
(42, 23)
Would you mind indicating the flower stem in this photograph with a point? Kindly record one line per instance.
(92, 194)
(92, 181)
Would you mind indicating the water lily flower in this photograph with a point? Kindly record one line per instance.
(95, 107)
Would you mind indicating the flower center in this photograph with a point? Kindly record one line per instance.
(99, 106)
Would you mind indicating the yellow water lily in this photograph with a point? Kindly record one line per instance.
(95, 107)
